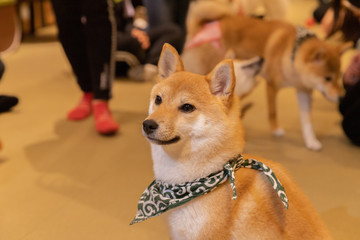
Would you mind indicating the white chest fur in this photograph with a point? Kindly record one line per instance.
(187, 221)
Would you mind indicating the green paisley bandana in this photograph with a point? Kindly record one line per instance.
(160, 197)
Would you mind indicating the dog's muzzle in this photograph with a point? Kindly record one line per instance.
(150, 127)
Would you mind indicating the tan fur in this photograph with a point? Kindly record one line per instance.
(316, 65)
(209, 136)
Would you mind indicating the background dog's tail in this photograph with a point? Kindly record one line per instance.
(201, 12)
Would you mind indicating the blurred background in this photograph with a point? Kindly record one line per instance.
(61, 180)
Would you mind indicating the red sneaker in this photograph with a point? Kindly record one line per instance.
(83, 109)
(310, 22)
(104, 122)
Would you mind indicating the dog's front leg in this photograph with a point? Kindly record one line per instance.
(271, 97)
(304, 101)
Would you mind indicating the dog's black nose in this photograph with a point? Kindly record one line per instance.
(150, 126)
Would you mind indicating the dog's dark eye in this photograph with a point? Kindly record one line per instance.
(158, 100)
(187, 108)
(328, 79)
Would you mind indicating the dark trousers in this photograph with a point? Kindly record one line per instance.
(87, 32)
(167, 33)
(350, 109)
(2, 69)
(164, 11)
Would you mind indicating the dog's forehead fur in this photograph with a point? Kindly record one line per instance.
(327, 55)
(185, 84)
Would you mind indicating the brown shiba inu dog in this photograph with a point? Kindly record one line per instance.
(293, 57)
(194, 129)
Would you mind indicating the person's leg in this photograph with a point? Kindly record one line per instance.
(168, 11)
(100, 31)
(129, 44)
(2, 69)
(158, 12)
(351, 122)
(320, 11)
(129, 54)
(167, 33)
(73, 39)
(179, 10)
(349, 107)
(69, 16)
(6, 102)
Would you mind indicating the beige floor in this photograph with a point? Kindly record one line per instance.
(59, 180)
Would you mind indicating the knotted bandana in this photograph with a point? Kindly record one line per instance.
(160, 197)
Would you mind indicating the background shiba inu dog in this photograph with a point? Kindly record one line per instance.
(194, 129)
(203, 11)
(292, 56)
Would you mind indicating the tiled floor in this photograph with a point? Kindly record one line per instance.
(59, 180)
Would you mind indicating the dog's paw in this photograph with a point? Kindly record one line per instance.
(314, 145)
(279, 132)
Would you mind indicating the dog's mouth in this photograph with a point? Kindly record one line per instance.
(164, 142)
(334, 98)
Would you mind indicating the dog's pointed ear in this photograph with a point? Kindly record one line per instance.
(318, 55)
(222, 79)
(169, 61)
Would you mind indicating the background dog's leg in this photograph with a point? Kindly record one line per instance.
(271, 96)
(304, 101)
